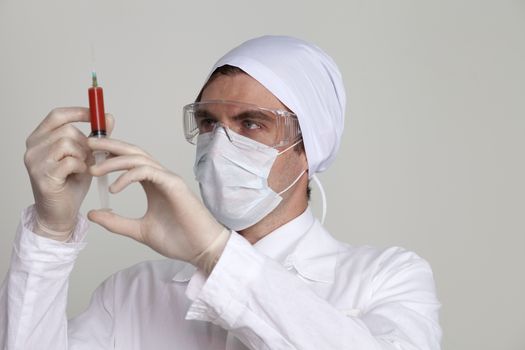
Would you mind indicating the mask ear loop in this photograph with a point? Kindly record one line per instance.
(323, 196)
(293, 183)
(289, 147)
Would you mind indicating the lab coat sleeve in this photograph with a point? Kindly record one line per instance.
(33, 296)
(269, 307)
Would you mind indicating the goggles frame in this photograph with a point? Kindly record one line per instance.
(287, 127)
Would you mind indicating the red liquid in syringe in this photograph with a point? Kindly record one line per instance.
(98, 129)
(96, 109)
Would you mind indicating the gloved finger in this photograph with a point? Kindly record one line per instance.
(116, 223)
(68, 131)
(142, 173)
(58, 117)
(110, 123)
(115, 147)
(67, 147)
(64, 131)
(122, 163)
(67, 166)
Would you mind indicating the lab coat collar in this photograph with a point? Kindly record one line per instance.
(315, 256)
(301, 244)
(280, 243)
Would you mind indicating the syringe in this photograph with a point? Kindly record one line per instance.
(98, 129)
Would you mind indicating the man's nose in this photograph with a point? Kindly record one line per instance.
(222, 126)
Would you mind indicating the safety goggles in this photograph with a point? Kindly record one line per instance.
(271, 127)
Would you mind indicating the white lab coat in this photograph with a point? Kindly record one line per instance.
(297, 288)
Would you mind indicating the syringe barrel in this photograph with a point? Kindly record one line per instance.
(96, 108)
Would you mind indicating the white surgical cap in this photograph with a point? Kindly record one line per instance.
(307, 81)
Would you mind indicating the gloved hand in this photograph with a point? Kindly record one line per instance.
(57, 159)
(176, 223)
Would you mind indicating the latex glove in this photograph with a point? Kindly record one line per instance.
(57, 158)
(176, 223)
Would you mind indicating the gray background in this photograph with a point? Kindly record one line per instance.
(432, 156)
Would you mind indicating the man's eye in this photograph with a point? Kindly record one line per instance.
(250, 124)
(206, 124)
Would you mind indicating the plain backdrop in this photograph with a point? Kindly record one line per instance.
(432, 157)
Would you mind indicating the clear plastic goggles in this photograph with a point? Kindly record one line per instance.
(271, 127)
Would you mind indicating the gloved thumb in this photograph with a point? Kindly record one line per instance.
(115, 223)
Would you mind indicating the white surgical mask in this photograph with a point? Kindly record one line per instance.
(233, 178)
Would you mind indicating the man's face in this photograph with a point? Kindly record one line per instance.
(243, 88)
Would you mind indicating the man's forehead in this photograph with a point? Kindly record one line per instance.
(240, 88)
(232, 109)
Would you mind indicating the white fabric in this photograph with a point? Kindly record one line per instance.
(233, 179)
(297, 288)
(307, 81)
(232, 171)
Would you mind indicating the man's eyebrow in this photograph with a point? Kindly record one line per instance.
(253, 115)
(204, 114)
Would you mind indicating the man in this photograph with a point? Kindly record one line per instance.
(252, 268)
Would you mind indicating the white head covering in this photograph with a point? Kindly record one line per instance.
(307, 81)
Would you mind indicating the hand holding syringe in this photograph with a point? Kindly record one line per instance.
(98, 129)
